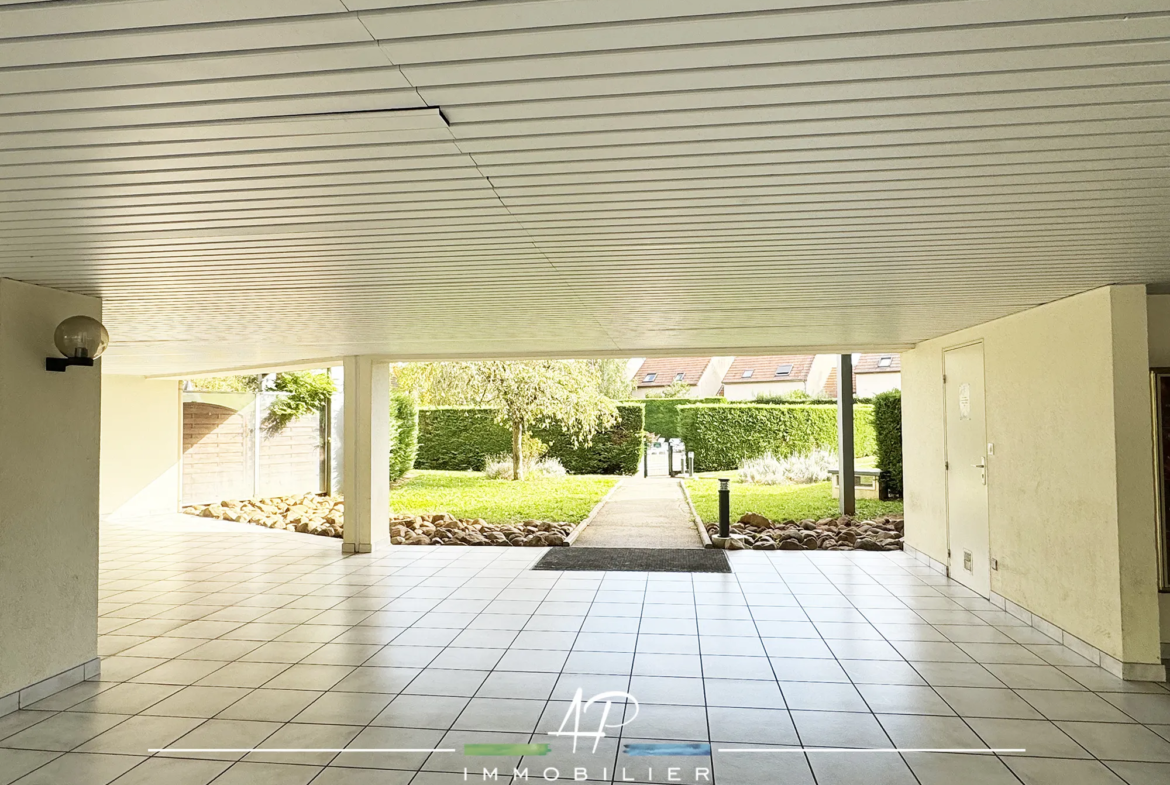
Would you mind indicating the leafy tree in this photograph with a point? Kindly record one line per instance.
(613, 379)
(539, 392)
(676, 389)
(308, 391)
(441, 384)
(251, 383)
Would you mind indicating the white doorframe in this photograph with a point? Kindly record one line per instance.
(966, 476)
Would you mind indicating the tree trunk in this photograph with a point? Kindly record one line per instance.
(517, 447)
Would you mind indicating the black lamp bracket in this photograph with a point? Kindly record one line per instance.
(62, 363)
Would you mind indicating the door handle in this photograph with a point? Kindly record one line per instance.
(982, 467)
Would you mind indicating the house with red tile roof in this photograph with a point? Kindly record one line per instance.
(778, 374)
(702, 374)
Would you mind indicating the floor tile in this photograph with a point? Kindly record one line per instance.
(63, 731)
(218, 735)
(822, 696)
(507, 715)
(246, 773)
(138, 735)
(173, 771)
(913, 731)
(1076, 706)
(421, 711)
(839, 729)
(14, 764)
(1037, 738)
(295, 736)
(1110, 741)
(197, 702)
(76, 768)
(985, 702)
(1042, 771)
(932, 768)
(1136, 773)
(751, 726)
(903, 699)
(844, 768)
(344, 708)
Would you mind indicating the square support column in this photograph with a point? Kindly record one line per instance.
(366, 446)
(847, 497)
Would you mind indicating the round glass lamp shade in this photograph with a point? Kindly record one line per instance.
(81, 336)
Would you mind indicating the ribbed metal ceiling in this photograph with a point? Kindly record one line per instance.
(258, 182)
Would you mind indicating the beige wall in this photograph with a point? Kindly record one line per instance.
(747, 391)
(1158, 321)
(1070, 483)
(49, 434)
(140, 445)
(870, 384)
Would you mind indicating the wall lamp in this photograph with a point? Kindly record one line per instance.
(81, 340)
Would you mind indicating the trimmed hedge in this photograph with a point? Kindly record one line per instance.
(887, 425)
(662, 414)
(403, 434)
(723, 436)
(460, 439)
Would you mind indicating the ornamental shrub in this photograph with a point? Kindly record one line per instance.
(887, 424)
(722, 437)
(403, 434)
(616, 450)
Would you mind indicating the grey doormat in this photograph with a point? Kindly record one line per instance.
(634, 560)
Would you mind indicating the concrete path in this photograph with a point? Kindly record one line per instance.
(643, 513)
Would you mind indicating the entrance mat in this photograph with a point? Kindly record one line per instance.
(634, 560)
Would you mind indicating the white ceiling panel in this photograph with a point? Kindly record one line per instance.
(261, 182)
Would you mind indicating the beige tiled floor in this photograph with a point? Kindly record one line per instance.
(232, 638)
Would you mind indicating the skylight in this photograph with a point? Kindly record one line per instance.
(678, 377)
(885, 362)
(650, 377)
(784, 370)
(748, 373)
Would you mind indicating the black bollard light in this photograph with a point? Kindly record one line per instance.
(646, 461)
(725, 508)
(670, 458)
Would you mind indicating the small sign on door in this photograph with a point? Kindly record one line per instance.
(964, 401)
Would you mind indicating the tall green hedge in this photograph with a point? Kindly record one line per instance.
(404, 434)
(461, 438)
(723, 436)
(458, 438)
(662, 414)
(887, 424)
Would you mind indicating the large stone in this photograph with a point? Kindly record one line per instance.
(754, 519)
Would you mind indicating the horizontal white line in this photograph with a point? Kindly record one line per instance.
(290, 750)
(983, 750)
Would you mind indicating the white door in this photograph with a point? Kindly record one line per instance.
(967, 526)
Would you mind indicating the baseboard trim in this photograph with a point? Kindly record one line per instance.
(25, 697)
(925, 559)
(1130, 671)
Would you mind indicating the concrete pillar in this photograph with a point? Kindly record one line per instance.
(366, 446)
(848, 502)
(49, 448)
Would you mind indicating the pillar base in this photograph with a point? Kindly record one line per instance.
(364, 547)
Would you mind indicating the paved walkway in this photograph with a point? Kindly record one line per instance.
(648, 512)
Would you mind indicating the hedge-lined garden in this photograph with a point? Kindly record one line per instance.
(461, 438)
(722, 436)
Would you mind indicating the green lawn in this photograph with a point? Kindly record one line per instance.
(470, 495)
(779, 502)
